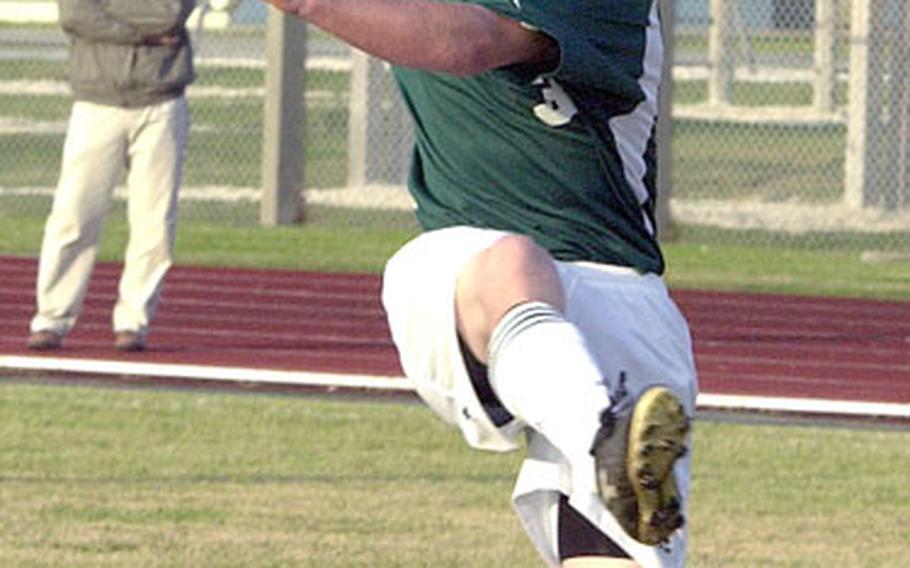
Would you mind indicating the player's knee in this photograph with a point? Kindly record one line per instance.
(514, 267)
(511, 271)
(515, 258)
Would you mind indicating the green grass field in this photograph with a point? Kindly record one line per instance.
(132, 477)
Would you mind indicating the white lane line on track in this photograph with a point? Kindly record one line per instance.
(803, 406)
(706, 401)
(205, 372)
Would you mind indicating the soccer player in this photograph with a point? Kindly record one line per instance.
(533, 302)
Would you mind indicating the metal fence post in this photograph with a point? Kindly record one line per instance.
(283, 121)
(379, 127)
(865, 92)
(665, 124)
(825, 72)
(720, 54)
(900, 105)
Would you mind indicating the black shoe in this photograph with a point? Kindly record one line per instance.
(129, 341)
(45, 340)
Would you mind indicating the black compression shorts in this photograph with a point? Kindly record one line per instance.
(578, 537)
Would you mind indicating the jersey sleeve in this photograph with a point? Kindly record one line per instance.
(600, 41)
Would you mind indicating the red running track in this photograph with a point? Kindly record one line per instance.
(745, 344)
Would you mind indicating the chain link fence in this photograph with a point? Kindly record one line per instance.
(791, 124)
(222, 177)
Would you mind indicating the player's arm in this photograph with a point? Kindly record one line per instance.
(459, 39)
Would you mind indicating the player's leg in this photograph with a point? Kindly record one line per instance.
(645, 344)
(418, 293)
(510, 307)
(418, 290)
(511, 301)
(645, 351)
(93, 156)
(511, 271)
(156, 164)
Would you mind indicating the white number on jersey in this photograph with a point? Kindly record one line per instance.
(557, 109)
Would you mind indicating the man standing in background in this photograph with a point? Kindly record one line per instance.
(129, 62)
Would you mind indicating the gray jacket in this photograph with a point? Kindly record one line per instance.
(117, 56)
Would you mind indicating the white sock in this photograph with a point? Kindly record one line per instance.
(542, 371)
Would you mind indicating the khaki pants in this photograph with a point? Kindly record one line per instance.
(102, 144)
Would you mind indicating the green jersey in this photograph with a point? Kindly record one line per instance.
(564, 155)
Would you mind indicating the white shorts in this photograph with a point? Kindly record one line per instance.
(630, 323)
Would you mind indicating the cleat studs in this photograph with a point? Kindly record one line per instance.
(675, 524)
(658, 520)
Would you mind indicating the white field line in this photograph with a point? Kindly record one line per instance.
(782, 217)
(315, 63)
(751, 74)
(776, 115)
(339, 63)
(706, 401)
(803, 406)
(205, 373)
(394, 197)
(19, 125)
(62, 89)
(787, 216)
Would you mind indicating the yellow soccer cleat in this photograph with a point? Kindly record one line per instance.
(634, 454)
